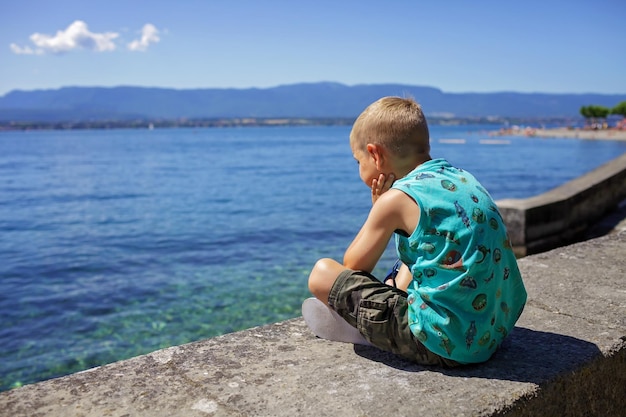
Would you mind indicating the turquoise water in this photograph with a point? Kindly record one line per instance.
(117, 243)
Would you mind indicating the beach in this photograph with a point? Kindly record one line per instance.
(590, 134)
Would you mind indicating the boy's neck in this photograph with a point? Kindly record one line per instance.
(410, 164)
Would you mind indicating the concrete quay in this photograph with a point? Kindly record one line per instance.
(566, 213)
(566, 357)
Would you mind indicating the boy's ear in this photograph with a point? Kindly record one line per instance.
(376, 152)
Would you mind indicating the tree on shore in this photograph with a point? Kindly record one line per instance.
(620, 109)
(594, 112)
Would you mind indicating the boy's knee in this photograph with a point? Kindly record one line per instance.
(316, 273)
(323, 275)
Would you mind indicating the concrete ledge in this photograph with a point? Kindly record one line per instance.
(563, 215)
(567, 356)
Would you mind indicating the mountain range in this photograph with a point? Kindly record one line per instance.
(306, 100)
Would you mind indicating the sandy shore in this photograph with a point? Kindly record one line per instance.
(604, 134)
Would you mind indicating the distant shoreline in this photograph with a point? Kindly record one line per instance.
(243, 122)
(562, 132)
(587, 134)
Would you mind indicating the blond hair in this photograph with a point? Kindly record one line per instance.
(396, 123)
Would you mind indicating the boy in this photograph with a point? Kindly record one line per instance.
(458, 291)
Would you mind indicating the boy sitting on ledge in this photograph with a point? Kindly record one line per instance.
(458, 291)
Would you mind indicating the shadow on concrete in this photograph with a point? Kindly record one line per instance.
(525, 356)
(608, 223)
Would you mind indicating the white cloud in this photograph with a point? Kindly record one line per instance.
(149, 34)
(76, 36)
(24, 50)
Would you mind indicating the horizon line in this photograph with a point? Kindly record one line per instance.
(302, 83)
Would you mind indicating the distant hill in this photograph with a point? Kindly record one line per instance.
(309, 100)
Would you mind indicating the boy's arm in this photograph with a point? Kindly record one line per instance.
(384, 218)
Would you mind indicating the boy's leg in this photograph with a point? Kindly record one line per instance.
(326, 323)
(390, 279)
(380, 313)
(404, 277)
(322, 278)
(399, 276)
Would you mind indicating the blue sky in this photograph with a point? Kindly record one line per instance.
(457, 46)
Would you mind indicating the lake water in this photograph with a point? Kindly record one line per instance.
(117, 243)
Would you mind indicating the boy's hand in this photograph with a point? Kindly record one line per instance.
(380, 185)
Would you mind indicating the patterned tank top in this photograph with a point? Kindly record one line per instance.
(467, 291)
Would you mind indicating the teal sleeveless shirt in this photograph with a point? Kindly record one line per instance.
(467, 291)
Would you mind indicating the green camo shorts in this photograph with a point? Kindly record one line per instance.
(379, 312)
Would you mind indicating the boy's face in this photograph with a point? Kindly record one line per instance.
(367, 166)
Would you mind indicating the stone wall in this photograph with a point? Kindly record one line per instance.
(564, 215)
(565, 357)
